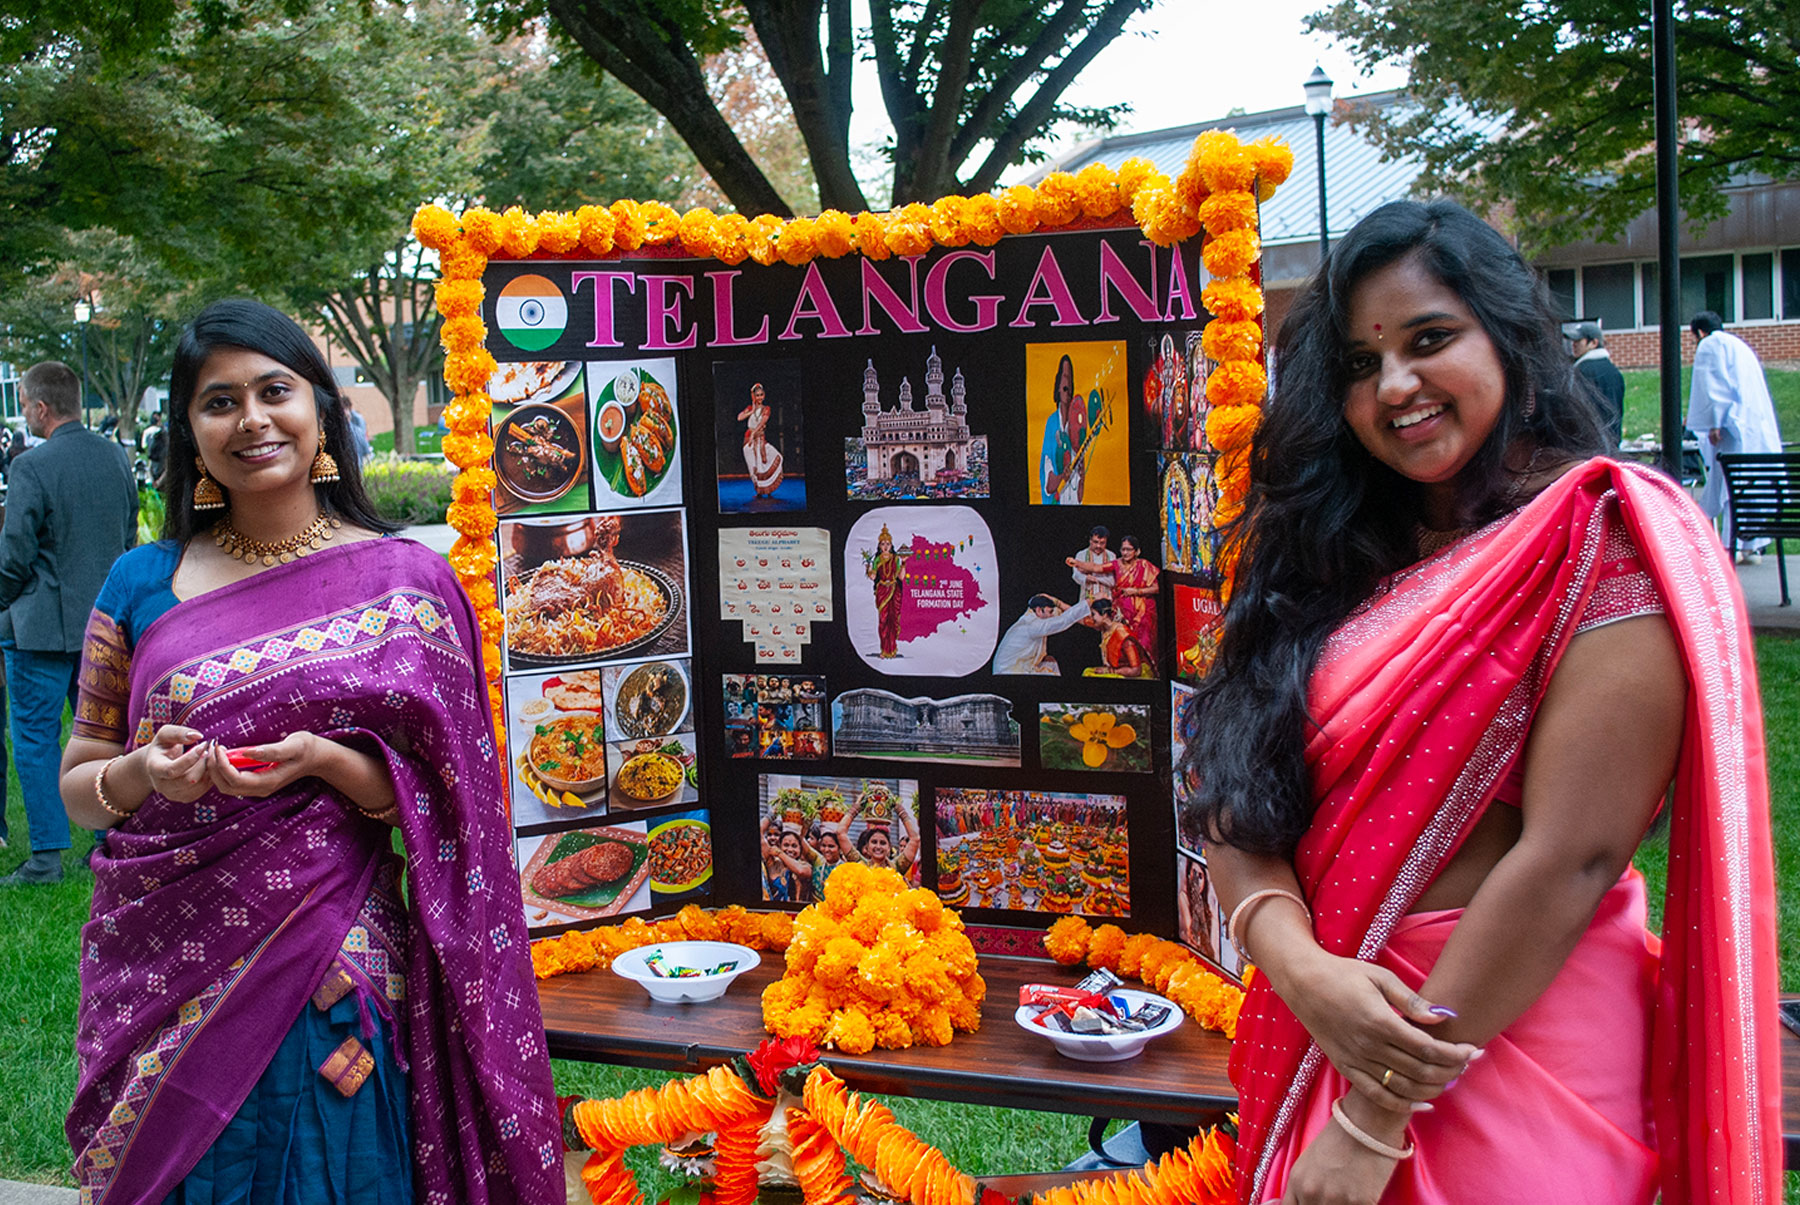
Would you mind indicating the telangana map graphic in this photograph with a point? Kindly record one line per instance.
(922, 589)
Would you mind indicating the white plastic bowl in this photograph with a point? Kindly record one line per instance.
(692, 989)
(1102, 1047)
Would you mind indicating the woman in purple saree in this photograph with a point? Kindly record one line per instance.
(265, 1017)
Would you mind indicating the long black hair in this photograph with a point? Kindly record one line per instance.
(253, 326)
(1325, 521)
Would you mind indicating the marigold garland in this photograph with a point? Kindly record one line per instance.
(584, 950)
(1166, 966)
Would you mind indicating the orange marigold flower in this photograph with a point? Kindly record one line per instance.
(1237, 383)
(1231, 427)
(871, 234)
(1231, 253)
(795, 242)
(1224, 164)
(1067, 940)
(1234, 299)
(628, 225)
(1274, 161)
(472, 557)
(471, 518)
(596, 223)
(473, 448)
(434, 226)
(1134, 173)
(1019, 209)
(482, 229)
(518, 233)
(909, 230)
(1228, 211)
(700, 232)
(462, 334)
(468, 412)
(1105, 947)
(947, 221)
(462, 261)
(558, 233)
(476, 482)
(1225, 340)
(469, 371)
(1170, 219)
(1131, 958)
(481, 592)
(662, 225)
(1059, 200)
(760, 236)
(850, 1031)
(731, 239)
(1097, 190)
(458, 298)
(983, 219)
(834, 234)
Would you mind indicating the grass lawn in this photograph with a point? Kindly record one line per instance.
(1643, 400)
(428, 441)
(38, 994)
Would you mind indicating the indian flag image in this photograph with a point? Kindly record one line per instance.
(531, 313)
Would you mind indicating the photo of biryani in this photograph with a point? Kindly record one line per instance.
(650, 777)
(574, 607)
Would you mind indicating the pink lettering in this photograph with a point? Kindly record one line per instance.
(987, 306)
(1056, 295)
(662, 313)
(1179, 286)
(603, 302)
(1115, 275)
(724, 324)
(876, 288)
(815, 302)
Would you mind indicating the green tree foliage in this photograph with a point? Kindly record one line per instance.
(1571, 81)
(970, 86)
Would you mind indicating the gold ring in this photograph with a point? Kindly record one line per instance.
(1386, 1076)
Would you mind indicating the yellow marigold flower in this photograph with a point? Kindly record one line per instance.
(730, 243)
(834, 234)
(1231, 427)
(462, 334)
(850, 1030)
(1274, 161)
(1097, 189)
(481, 593)
(434, 226)
(518, 233)
(1231, 253)
(468, 412)
(1228, 211)
(472, 557)
(760, 238)
(482, 229)
(892, 1031)
(871, 237)
(1067, 940)
(947, 221)
(471, 518)
(1169, 219)
(932, 1027)
(462, 261)
(1058, 199)
(795, 243)
(909, 231)
(983, 220)
(458, 298)
(469, 372)
(1019, 209)
(1105, 947)
(628, 225)
(1234, 299)
(1237, 383)
(1131, 957)
(596, 223)
(1100, 733)
(558, 233)
(662, 225)
(1224, 164)
(1133, 174)
(1225, 340)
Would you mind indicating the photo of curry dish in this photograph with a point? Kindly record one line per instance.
(650, 777)
(569, 753)
(634, 455)
(537, 453)
(651, 701)
(680, 855)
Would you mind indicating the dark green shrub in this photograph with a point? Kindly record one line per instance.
(409, 491)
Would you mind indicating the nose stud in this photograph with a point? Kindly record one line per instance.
(244, 425)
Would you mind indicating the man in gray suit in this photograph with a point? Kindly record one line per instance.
(71, 509)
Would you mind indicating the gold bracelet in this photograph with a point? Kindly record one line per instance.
(1234, 926)
(100, 790)
(1366, 1139)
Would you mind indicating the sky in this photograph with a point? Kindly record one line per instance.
(1191, 60)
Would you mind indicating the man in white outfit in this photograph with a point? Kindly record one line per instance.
(1022, 649)
(1095, 585)
(1729, 408)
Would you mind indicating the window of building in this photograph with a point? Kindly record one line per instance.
(1706, 284)
(1790, 284)
(1756, 273)
(1609, 295)
(1562, 292)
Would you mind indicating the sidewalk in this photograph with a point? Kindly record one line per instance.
(14, 1193)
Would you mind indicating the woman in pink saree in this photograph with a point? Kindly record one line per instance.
(1464, 662)
(267, 694)
(1134, 590)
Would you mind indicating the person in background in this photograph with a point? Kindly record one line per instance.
(1729, 408)
(154, 440)
(359, 433)
(787, 872)
(1593, 363)
(1467, 659)
(273, 697)
(71, 509)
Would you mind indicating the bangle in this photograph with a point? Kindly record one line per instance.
(100, 790)
(1364, 1138)
(1234, 926)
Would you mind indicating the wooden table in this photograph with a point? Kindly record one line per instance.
(1180, 1078)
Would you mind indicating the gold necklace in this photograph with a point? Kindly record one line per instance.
(241, 547)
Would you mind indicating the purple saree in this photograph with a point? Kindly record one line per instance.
(214, 922)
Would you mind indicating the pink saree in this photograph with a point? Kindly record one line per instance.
(1425, 696)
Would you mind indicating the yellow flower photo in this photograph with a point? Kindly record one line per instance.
(1112, 737)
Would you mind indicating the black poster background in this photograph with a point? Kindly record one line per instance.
(1031, 540)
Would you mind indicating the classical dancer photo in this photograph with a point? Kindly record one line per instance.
(274, 1006)
(887, 570)
(761, 457)
(1465, 661)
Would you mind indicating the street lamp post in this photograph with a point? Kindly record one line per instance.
(83, 312)
(1318, 104)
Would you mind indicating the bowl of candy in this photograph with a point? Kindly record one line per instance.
(686, 972)
(1096, 1021)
